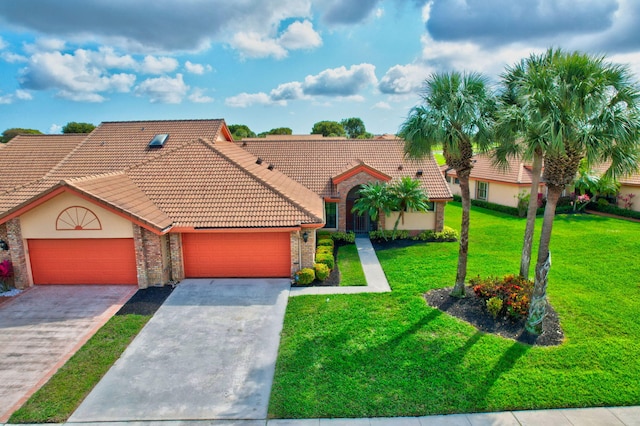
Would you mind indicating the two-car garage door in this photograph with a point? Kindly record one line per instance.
(251, 254)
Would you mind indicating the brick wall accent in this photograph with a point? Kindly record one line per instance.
(343, 189)
(21, 277)
(439, 206)
(6, 254)
(300, 249)
(153, 264)
(175, 251)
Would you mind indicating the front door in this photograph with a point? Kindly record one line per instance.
(360, 224)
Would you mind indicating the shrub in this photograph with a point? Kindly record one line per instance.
(447, 234)
(611, 209)
(305, 276)
(387, 235)
(6, 271)
(327, 259)
(344, 237)
(322, 271)
(323, 235)
(494, 306)
(514, 291)
(324, 250)
(325, 242)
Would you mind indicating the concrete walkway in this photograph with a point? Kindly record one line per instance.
(373, 273)
(41, 328)
(209, 352)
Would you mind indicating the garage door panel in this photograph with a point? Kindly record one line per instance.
(237, 255)
(83, 261)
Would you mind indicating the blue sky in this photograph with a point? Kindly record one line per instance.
(277, 63)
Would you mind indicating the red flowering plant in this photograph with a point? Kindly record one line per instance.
(6, 271)
(514, 291)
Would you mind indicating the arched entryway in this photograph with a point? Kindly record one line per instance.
(356, 223)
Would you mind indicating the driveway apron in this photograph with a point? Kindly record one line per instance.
(208, 353)
(41, 328)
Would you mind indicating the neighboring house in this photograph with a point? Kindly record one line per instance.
(336, 168)
(493, 184)
(148, 202)
(630, 185)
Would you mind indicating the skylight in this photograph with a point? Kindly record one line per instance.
(158, 140)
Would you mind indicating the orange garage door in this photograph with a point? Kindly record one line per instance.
(265, 254)
(87, 261)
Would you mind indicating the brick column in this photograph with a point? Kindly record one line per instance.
(18, 254)
(141, 264)
(153, 257)
(175, 250)
(294, 240)
(439, 207)
(6, 254)
(308, 248)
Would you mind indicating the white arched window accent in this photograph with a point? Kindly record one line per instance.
(77, 218)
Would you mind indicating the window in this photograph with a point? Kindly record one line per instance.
(431, 206)
(456, 181)
(331, 215)
(482, 189)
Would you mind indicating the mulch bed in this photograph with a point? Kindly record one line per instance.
(146, 301)
(473, 310)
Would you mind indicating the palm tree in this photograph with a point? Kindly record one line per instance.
(406, 194)
(373, 198)
(581, 107)
(457, 112)
(519, 135)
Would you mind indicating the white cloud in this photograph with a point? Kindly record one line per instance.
(107, 58)
(340, 81)
(255, 45)
(44, 45)
(55, 128)
(381, 105)
(13, 58)
(23, 95)
(288, 91)
(74, 76)
(198, 96)
(199, 69)
(163, 89)
(401, 79)
(158, 65)
(3, 44)
(244, 100)
(300, 35)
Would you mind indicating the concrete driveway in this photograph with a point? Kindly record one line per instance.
(41, 328)
(208, 353)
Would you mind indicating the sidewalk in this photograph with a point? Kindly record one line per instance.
(614, 416)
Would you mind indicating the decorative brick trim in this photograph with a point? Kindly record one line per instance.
(175, 251)
(439, 207)
(21, 276)
(300, 249)
(141, 265)
(152, 260)
(343, 189)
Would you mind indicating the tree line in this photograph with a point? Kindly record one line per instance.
(70, 127)
(353, 128)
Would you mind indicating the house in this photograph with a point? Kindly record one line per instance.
(493, 184)
(335, 168)
(149, 202)
(630, 185)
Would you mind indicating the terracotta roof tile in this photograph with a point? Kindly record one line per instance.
(27, 158)
(516, 171)
(313, 162)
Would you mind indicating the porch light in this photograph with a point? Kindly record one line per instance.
(5, 246)
(305, 236)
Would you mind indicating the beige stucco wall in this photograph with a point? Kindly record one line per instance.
(624, 190)
(412, 221)
(40, 222)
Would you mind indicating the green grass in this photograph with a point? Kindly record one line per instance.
(351, 273)
(66, 389)
(392, 355)
(439, 158)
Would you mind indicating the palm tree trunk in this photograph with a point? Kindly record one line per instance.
(538, 305)
(525, 259)
(461, 275)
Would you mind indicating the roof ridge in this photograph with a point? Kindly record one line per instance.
(260, 179)
(164, 121)
(66, 157)
(96, 176)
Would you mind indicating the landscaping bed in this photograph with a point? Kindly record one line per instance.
(472, 309)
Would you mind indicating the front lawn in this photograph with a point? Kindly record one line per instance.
(373, 355)
(351, 273)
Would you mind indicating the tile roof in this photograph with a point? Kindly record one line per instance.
(27, 158)
(196, 180)
(314, 162)
(516, 171)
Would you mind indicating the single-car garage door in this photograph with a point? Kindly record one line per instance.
(83, 261)
(259, 254)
